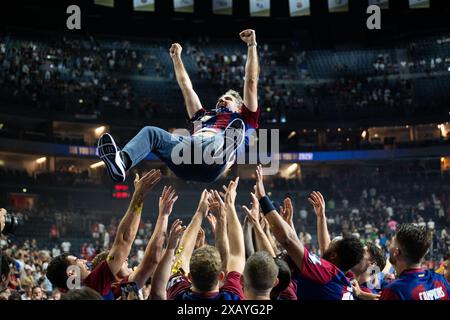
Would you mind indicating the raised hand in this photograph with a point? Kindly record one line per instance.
(287, 210)
(259, 187)
(201, 236)
(176, 231)
(166, 200)
(143, 185)
(317, 201)
(215, 203)
(253, 213)
(248, 36)
(203, 204)
(230, 195)
(175, 50)
(212, 222)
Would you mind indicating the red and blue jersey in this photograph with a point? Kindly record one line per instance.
(319, 279)
(179, 288)
(219, 119)
(417, 284)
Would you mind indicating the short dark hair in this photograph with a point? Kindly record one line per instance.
(84, 293)
(349, 251)
(414, 241)
(57, 271)
(284, 276)
(260, 272)
(205, 266)
(376, 255)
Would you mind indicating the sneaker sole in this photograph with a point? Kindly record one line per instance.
(109, 153)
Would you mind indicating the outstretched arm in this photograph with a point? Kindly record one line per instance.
(162, 272)
(251, 70)
(323, 236)
(236, 260)
(154, 249)
(189, 238)
(262, 242)
(221, 232)
(191, 99)
(126, 232)
(282, 231)
(248, 238)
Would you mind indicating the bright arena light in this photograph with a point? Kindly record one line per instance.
(97, 164)
(41, 160)
(100, 130)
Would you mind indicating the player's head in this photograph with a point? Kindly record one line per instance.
(347, 253)
(284, 277)
(409, 245)
(99, 258)
(376, 256)
(260, 275)
(58, 270)
(231, 100)
(205, 268)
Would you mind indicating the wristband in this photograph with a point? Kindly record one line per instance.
(252, 44)
(266, 205)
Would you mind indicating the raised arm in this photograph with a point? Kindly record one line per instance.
(188, 240)
(126, 232)
(221, 232)
(323, 236)
(251, 70)
(154, 249)
(262, 242)
(162, 272)
(191, 99)
(236, 260)
(282, 231)
(248, 238)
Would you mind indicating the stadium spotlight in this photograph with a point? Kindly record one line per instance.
(292, 134)
(97, 164)
(41, 160)
(100, 130)
(364, 134)
(292, 168)
(24, 190)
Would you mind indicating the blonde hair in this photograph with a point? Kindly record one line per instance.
(235, 95)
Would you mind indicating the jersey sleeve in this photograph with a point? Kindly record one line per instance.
(317, 269)
(290, 293)
(177, 285)
(250, 118)
(100, 279)
(233, 284)
(198, 115)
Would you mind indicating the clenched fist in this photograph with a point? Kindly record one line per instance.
(175, 50)
(248, 36)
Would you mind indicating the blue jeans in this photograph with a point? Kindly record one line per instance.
(161, 143)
